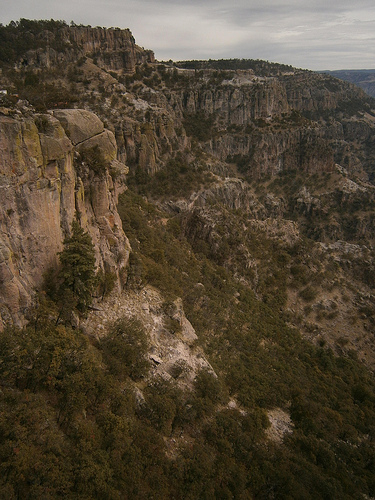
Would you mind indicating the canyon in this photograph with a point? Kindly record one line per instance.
(228, 351)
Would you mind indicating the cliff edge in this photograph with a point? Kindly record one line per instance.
(45, 179)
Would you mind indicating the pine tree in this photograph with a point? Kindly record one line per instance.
(77, 274)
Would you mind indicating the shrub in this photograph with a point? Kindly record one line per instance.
(106, 282)
(208, 386)
(94, 158)
(199, 126)
(308, 294)
(125, 348)
(42, 124)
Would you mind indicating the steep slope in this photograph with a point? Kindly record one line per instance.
(364, 78)
(194, 136)
(47, 44)
(44, 183)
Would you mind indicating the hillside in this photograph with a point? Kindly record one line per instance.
(186, 274)
(364, 78)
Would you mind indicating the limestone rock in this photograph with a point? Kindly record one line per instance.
(20, 149)
(187, 332)
(280, 424)
(53, 140)
(173, 355)
(232, 193)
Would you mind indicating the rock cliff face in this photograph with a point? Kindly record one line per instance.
(114, 48)
(149, 144)
(274, 151)
(227, 122)
(239, 101)
(269, 124)
(43, 184)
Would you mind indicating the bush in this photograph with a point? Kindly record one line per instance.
(106, 282)
(125, 349)
(95, 160)
(199, 126)
(208, 386)
(308, 294)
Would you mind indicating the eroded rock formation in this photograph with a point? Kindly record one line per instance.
(43, 184)
(113, 48)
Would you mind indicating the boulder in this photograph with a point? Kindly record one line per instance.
(79, 124)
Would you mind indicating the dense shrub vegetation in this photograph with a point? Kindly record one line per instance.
(176, 179)
(263, 363)
(72, 425)
(264, 68)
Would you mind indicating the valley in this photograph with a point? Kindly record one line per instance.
(225, 348)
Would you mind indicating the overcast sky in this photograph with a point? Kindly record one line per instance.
(312, 34)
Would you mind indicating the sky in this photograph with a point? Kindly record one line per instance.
(310, 34)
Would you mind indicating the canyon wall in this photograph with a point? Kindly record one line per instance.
(246, 117)
(113, 49)
(43, 184)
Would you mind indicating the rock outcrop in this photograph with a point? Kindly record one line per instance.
(149, 144)
(113, 48)
(239, 102)
(262, 122)
(174, 352)
(43, 184)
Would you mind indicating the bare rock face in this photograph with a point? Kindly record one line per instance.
(280, 425)
(173, 350)
(79, 124)
(239, 101)
(41, 189)
(250, 119)
(114, 48)
(150, 143)
(274, 151)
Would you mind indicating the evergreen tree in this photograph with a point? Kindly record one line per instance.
(77, 274)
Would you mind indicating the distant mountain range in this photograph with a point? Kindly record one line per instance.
(364, 78)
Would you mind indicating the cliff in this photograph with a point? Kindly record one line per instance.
(235, 357)
(162, 120)
(43, 185)
(113, 48)
(264, 125)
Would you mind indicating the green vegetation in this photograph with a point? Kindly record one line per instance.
(125, 349)
(77, 276)
(238, 349)
(84, 416)
(199, 126)
(176, 179)
(67, 428)
(94, 158)
(262, 68)
(73, 423)
(20, 36)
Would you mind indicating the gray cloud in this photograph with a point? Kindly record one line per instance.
(311, 34)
